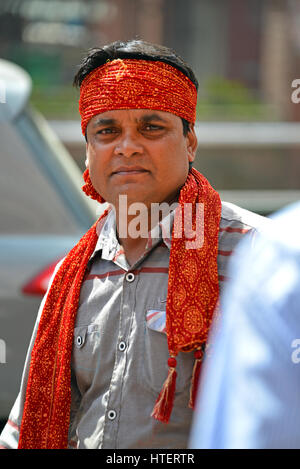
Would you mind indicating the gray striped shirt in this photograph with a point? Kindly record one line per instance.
(120, 353)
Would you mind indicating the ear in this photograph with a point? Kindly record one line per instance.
(86, 156)
(192, 143)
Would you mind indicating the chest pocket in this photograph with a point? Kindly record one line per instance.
(85, 358)
(154, 369)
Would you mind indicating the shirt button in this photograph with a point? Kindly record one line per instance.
(122, 346)
(130, 277)
(79, 341)
(112, 414)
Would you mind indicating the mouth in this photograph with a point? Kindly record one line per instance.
(129, 170)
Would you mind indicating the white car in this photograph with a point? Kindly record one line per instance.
(43, 212)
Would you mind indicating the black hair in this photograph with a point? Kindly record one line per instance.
(134, 49)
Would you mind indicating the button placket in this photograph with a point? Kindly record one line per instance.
(114, 403)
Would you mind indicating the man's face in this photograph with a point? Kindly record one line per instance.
(140, 153)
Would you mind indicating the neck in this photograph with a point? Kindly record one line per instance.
(135, 222)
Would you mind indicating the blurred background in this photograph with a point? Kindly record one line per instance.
(245, 53)
(246, 56)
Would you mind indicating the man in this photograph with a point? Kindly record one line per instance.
(116, 357)
(249, 397)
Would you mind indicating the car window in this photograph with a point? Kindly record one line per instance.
(29, 201)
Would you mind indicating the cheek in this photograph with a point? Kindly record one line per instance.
(173, 160)
(96, 159)
(96, 165)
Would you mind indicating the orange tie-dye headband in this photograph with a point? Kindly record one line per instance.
(137, 84)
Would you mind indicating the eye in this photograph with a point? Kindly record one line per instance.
(152, 127)
(106, 131)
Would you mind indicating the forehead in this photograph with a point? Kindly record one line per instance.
(123, 116)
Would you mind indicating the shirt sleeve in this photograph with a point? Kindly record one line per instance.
(9, 437)
(249, 391)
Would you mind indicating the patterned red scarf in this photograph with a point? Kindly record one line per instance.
(192, 296)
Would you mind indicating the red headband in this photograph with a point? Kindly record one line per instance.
(137, 84)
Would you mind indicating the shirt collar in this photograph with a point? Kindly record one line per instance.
(107, 240)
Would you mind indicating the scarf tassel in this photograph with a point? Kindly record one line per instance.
(164, 404)
(195, 378)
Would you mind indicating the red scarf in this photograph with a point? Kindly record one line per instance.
(192, 296)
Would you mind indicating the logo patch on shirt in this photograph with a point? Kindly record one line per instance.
(156, 320)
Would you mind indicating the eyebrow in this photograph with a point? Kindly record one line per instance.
(151, 118)
(145, 119)
(102, 121)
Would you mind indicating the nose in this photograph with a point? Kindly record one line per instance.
(128, 144)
